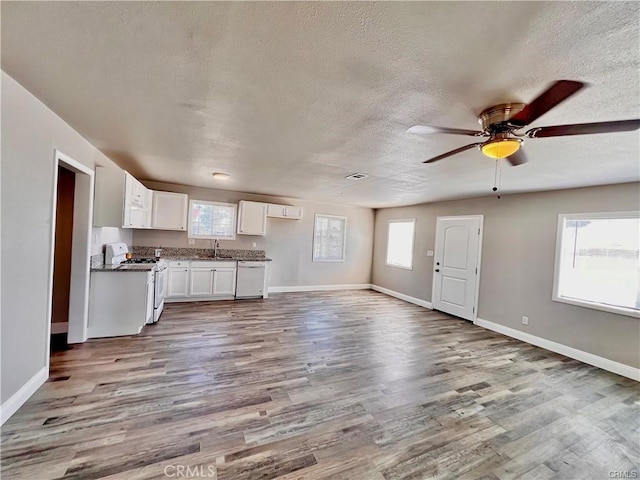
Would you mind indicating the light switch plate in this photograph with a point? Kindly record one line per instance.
(192, 241)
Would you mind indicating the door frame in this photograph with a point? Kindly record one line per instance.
(479, 266)
(80, 249)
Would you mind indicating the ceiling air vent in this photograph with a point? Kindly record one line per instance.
(356, 176)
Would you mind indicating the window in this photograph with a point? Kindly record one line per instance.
(329, 238)
(400, 243)
(212, 220)
(597, 261)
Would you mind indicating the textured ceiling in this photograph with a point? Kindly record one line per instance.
(288, 98)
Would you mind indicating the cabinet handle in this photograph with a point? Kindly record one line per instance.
(186, 269)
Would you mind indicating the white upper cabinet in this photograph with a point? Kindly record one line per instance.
(120, 200)
(252, 218)
(284, 211)
(137, 203)
(170, 211)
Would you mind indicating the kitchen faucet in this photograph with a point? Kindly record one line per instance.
(216, 246)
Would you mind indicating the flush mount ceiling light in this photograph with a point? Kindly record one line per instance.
(221, 176)
(356, 176)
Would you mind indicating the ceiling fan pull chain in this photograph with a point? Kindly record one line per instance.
(497, 176)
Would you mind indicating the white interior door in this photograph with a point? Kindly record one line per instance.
(457, 265)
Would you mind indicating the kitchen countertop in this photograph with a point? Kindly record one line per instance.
(130, 267)
(219, 259)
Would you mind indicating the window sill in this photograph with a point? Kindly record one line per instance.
(598, 306)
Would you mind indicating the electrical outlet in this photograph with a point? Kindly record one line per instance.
(525, 320)
(429, 253)
(254, 244)
(192, 241)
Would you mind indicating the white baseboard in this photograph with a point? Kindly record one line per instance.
(18, 399)
(402, 296)
(585, 357)
(319, 288)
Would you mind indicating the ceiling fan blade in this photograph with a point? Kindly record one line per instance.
(517, 158)
(584, 128)
(557, 93)
(452, 152)
(428, 129)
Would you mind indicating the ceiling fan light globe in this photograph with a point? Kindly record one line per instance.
(501, 148)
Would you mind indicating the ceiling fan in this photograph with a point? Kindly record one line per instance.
(501, 124)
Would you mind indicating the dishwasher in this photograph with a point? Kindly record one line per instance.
(250, 281)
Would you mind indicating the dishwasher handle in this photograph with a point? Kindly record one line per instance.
(249, 264)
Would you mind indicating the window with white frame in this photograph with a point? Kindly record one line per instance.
(210, 220)
(400, 243)
(598, 261)
(329, 238)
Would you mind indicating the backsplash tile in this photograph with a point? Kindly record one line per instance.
(142, 251)
(97, 260)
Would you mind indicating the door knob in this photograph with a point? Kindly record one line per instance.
(437, 269)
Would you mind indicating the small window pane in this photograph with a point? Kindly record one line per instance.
(599, 261)
(211, 219)
(329, 238)
(400, 243)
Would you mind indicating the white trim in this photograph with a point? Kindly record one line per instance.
(479, 263)
(413, 242)
(11, 406)
(319, 288)
(80, 265)
(555, 295)
(585, 357)
(203, 298)
(402, 296)
(316, 259)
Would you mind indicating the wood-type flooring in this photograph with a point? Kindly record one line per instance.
(328, 385)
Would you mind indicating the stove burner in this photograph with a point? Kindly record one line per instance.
(140, 260)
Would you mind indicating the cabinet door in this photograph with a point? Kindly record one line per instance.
(252, 218)
(178, 282)
(169, 211)
(224, 281)
(146, 210)
(201, 281)
(276, 211)
(293, 212)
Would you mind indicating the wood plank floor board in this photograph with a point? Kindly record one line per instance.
(325, 385)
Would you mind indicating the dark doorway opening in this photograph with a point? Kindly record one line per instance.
(62, 259)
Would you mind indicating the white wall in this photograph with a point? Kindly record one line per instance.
(518, 255)
(30, 134)
(102, 235)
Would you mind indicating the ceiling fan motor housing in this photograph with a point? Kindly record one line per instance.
(492, 118)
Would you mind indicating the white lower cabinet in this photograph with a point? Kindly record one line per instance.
(224, 281)
(120, 302)
(178, 281)
(201, 280)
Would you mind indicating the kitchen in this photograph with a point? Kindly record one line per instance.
(201, 260)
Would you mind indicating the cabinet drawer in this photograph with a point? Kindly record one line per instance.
(179, 263)
(211, 264)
